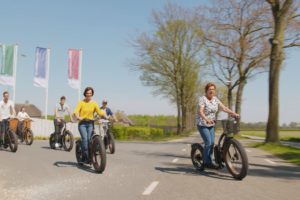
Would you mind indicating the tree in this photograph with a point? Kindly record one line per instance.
(286, 33)
(236, 35)
(168, 58)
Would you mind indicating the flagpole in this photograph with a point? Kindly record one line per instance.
(47, 88)
(79, 75)
(15, 71)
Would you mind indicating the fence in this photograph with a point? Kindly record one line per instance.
(42, 127)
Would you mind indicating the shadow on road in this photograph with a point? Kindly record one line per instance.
(279, 171)
(189, 170)
(74, 164)
(160, 154)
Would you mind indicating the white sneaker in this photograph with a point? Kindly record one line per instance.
(56, 145)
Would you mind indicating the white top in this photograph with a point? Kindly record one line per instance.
(211, 107)
(22, 115)
(62, 110)
(6, 109)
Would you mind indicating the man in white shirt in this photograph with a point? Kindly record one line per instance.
(7, 110)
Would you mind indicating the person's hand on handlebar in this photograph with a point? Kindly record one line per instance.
(235, 115)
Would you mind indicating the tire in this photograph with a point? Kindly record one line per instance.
(28, 135)
(197, 156)
(98, 154)
(111, 142)
(240, 155)
(78, 152)
(52, 141)
(68, 141)
(12, 141)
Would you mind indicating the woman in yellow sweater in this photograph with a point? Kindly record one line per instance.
(84, 112)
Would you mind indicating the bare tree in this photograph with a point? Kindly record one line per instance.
(286, 33)
(237, 34)
(168, 58)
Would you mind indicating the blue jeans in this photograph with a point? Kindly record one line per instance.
(3, 126)
(85, 130)
(208, 136)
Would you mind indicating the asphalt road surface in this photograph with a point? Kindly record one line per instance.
(140, 170)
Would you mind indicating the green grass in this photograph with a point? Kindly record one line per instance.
(285, 135)
(290, 154)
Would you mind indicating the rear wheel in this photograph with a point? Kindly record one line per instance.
(236, 159)
(197, 156)
(52, 141)
(12, 140)
(68, 141)
(111, 142)
(28, 135)
(98, 154)
(78, 152)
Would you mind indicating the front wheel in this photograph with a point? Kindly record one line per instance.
(28, 136)
(111, 142)
(78, 152)
(68, 141)
(98, 154)
(197, 156)
(52, 141)
(236, 159)
(12, 140)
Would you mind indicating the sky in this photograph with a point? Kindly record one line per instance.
(104, 29)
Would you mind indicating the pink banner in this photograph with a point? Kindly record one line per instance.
(73, 68)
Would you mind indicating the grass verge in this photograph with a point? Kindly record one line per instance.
(290, 154)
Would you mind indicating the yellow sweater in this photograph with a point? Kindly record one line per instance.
(86, 110)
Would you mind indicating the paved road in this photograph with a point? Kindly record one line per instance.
(140, 170)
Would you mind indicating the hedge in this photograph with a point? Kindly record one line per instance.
(140, 133)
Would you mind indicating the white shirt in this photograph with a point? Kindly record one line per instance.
(6, 109)
(210, 109)
(22, 115)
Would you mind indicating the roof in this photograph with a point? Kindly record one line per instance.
(31, 109)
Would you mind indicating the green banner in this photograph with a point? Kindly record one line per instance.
(8, 60)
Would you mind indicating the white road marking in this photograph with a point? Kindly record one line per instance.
(150, 188)
(175, 160)
(270, 161)
(248, 151)
(183, 149)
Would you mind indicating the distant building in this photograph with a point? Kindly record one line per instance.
(31, 109)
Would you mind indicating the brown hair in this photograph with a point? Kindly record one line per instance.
(208, 85)
(63, 98)
(4, 93)
(87, 89)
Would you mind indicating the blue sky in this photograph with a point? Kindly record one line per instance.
(102, 29)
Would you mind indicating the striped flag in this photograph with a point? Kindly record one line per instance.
(8, 58)
(42, 56)
(74, 62)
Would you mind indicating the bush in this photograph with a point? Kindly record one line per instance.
(140, 133)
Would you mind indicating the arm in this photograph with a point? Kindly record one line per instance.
(77, 111)
(227, 110)
(13, 110)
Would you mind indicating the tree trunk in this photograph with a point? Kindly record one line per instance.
(276, 59)
(184, 118)
(239, 96)
(273, 118)
(229, 97)
(178, 118)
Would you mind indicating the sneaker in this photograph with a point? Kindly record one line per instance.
(57, 145)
